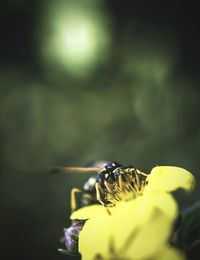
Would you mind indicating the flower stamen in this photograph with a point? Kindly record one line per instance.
(130, 185)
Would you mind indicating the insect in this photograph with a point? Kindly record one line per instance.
(111, 178)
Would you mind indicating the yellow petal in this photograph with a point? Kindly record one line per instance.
(88, 212)
(104, 231)
(170, 178)
(150, 238)
(169, 253)
(162, 201)
(126, 219)
(94, 237)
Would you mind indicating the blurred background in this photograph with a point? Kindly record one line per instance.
(86, 80)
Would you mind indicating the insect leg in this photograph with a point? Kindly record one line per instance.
(99, 192)
(142, 173)
(74, 191)
(121, 183)
(137, 180)
(108, 187)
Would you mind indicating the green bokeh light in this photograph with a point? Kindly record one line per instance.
(75, 36)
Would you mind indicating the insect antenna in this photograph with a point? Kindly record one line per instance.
(62, 169)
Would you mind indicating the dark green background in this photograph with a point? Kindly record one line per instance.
(140, 106)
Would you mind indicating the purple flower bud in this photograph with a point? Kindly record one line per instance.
(71, 237)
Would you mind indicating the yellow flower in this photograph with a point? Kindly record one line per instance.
(139, 224)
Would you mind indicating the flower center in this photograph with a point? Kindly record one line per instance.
(129, 185)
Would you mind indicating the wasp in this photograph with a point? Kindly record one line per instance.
(104, 188)
(110, 178)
